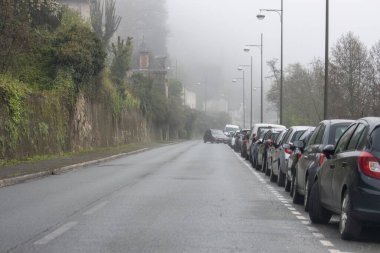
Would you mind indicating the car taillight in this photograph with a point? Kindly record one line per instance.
(288, 151)
(369, 165)
(322, 158)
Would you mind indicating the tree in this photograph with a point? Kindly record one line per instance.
(349, 71)
(104, 22)
(122, 53)
(374, 79)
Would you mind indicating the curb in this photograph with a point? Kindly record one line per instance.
(21, 179)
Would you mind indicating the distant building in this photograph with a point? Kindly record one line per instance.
(190, 98)
(83, 6)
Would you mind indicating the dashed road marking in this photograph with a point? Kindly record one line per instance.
(326, 243)
(318, 235)
(95, 208)
(305, 221)
(56, 233)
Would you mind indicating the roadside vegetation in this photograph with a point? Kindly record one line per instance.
(50, 57)
(354, 81)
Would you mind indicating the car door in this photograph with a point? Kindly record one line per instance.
(347, 163)
(309, 155)
(334, 168)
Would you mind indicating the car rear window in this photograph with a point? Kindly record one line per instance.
(336, 131)
(375, 139)
(296, 136)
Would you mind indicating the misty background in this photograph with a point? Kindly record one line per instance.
(204, 39)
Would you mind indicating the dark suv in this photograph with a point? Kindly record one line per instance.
(348, 183)
(326, 133)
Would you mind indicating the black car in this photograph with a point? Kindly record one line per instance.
(214, 135)
(348, 183)
(298, 148)
(255, 147)
(326, 133)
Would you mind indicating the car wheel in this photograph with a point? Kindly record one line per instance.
(307, 195)
(349, 227)
(317, 213)
(297, 198)
(280, 177)
(272, 176)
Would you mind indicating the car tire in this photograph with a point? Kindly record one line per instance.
(281, 177)
(349, 227)
(296, 197)
(317, 213)
(272, 176)
(287, 183)
(307, 195)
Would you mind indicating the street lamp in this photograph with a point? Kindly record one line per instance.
(241, 68)
(235, 81)
(325, 102)
(261, 16)
(247, 49)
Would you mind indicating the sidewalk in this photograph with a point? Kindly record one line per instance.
(22, 171)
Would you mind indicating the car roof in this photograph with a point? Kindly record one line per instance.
(373, 122)
(300, 128)
(267, 125)
(337, 121)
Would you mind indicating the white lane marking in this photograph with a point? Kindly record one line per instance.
(337, 251)
(326, 243)
(318, 235)
(95, 208)
(298, 214)
(56, 233)
(312, 229)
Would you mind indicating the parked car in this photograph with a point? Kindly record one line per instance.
(214, 135)
(265, 143)
(298, 148)
(348, 183)
(255, 146)
(239, 139)
(256, 129)
(233, 139)
(272, 150)
(326, 133)
(280, 156)
(230, 128)
(244, 144)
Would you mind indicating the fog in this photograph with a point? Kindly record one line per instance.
(206, 38)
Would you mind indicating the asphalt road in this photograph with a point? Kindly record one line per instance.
(188, 197)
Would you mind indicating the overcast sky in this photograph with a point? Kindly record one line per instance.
(214, 32)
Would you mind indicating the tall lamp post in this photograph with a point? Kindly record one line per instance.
(280, 12)
(234, 81)
(325, 102)
(241, 68)
(247, 49)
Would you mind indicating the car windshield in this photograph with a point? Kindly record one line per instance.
(229, 129)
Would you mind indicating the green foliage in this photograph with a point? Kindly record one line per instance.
(79, 50)
(12, 94)
(121, 62)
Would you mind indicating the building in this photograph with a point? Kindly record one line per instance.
(190, 98)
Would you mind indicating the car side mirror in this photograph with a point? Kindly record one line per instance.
(328, 151)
